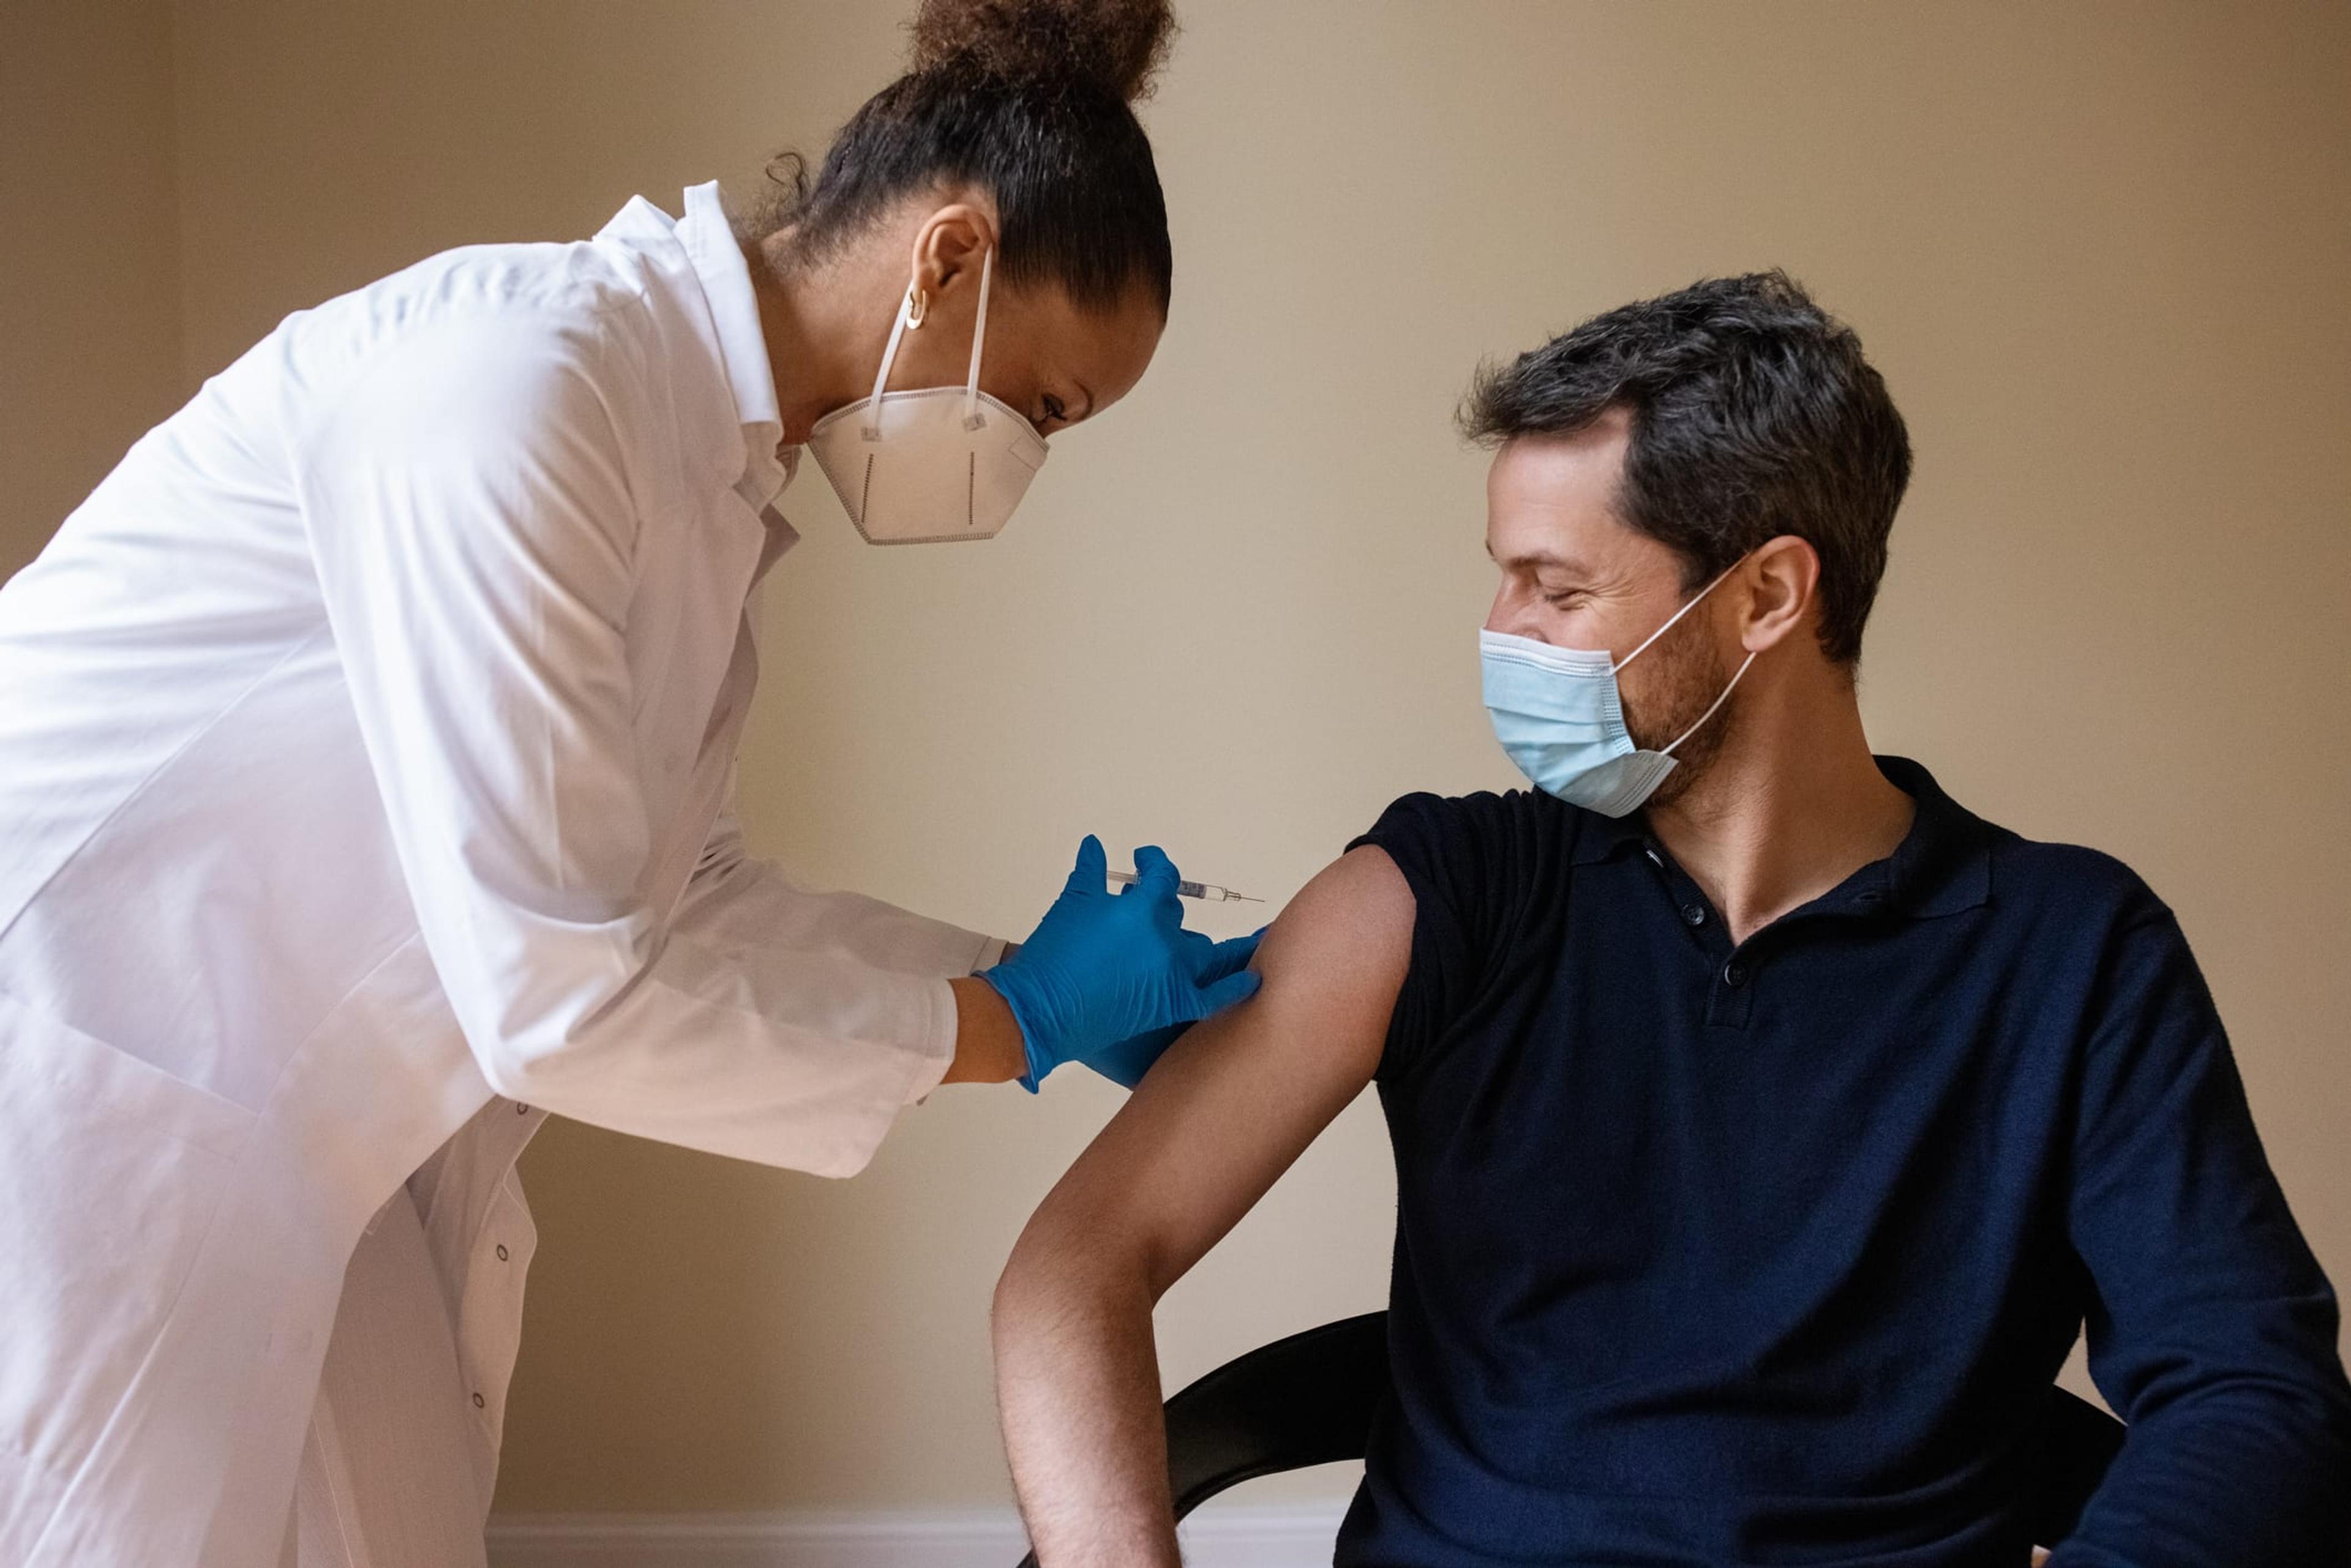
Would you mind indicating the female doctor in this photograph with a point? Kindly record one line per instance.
(365, 759)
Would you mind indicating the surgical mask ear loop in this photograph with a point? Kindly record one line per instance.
(1668, 626)
(1709, 713)
(1676, 615)
(971, 415)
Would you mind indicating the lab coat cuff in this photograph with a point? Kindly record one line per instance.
(927, 1067)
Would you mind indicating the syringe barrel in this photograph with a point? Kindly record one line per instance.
(1206, 892)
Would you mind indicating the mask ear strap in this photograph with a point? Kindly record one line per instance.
(1709, 713)
(872, 429)
(1676, 615)
(971, 419)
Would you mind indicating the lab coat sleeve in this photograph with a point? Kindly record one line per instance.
(469, 501)
(737, 905)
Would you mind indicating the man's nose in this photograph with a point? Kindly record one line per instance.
(1512, 612)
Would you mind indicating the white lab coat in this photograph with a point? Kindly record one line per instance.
(365, 747)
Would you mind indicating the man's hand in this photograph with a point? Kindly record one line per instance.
(1223, 1113)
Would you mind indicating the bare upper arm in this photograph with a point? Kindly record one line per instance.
(1240, 1097)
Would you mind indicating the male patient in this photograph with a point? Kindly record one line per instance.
(1765, 1124)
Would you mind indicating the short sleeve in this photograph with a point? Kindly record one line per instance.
(1458, 857)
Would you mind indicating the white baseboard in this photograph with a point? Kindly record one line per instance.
(1297, 1536)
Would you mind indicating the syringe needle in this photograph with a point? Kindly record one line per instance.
(1207, 892)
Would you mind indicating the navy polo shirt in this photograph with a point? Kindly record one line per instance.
(1770, 1253)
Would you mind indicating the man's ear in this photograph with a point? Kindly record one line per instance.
(949, 243)
(1783, 579)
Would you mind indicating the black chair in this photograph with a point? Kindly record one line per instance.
(1309, 1400)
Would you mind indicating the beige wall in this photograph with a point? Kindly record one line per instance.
(89, 317)
(2102, 253)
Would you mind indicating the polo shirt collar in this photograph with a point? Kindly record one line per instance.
(1943, 865)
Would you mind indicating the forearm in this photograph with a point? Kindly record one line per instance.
(2249, 1472)
(1219, 1118)
(988, 1048)
(1078, 1393)
(737, 904)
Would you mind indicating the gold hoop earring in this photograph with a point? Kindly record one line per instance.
(918, 305)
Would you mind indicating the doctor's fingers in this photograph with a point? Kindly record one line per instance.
(1223, 958)
(1157, 881)
(1237, 987)
(1154, 873)
(1091, 873)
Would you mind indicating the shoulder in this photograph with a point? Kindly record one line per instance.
(1520, 818)
(579, 282)
(513, 353)
(489, 325)
(2080, 923)
(1474, 863)
(2048, 886)
(2070, 882)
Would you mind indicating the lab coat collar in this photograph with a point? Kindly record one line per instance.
(725, 275)
(730, 325)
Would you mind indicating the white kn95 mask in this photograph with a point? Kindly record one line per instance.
(931, 465)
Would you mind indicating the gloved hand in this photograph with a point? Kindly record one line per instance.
(1126, 1063)
(1112, 978)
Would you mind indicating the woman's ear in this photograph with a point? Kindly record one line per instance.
(1783, 579)
(949, 243)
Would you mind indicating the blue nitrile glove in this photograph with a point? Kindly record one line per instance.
(1126, 1063)
(1112, 978)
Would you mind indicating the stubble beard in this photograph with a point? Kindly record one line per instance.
(1689, 674)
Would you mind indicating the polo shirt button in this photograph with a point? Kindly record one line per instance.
(479, 1402)
(502, 1251)
(1734, 975)
(1694, 914)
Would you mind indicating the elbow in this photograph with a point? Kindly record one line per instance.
(537, 1038)
(1064, 1272)
(1036, 1281)
(537, 1066)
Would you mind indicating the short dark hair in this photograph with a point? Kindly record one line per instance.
(1027, 99)
(1753, 416)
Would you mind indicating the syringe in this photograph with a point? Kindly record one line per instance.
(1208, 891)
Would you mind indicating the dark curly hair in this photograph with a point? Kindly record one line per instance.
(1753, 416)
(1030, 101)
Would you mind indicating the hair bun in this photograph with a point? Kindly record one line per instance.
(1118, 44)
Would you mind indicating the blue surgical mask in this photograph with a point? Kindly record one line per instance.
(1558, 712)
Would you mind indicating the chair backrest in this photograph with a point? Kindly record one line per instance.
(1305, 1400)
(1308, 1399)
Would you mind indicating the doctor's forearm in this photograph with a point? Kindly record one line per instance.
(988, 1048)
